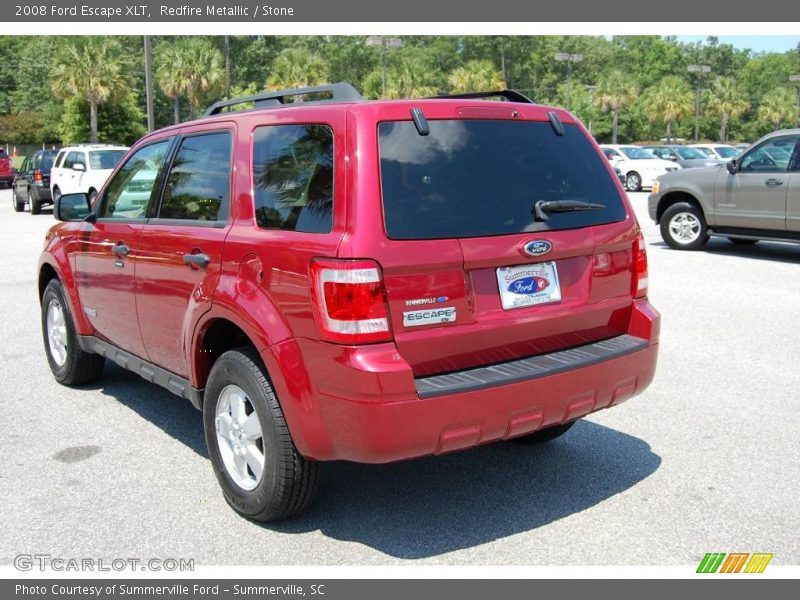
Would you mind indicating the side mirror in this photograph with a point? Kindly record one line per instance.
(72, 207)
(732, 166)
(78, 166)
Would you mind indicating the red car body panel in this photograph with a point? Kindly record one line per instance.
(359, 402)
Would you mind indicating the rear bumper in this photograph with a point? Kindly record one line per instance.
(363, 404)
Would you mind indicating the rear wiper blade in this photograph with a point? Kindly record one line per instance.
(542, 208)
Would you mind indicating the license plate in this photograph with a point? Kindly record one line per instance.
(528, 285)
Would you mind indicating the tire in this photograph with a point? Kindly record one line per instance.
(633, 182)
(72, 366)
(288, 481)
(36, 205)
(56, 194)
(545, 435)
(19, 205)
(683, 227)
(743, 241)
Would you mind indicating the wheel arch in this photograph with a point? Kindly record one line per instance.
(674, 197)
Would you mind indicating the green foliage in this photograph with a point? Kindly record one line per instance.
(669, 100)
(475, 76)
(297, 67)
(779, 107)
(120, 121)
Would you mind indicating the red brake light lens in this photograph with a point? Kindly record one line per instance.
(349, 301)
(37, 176)
(640, 283)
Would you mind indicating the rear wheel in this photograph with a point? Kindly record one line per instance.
(743, 241)
(633, 181)
(683, 227)
(56, 194)
(70, 365)
(36, 205)
(545, 435)
(262, 475)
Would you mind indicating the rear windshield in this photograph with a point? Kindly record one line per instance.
(105, 159)
(482, 178)
(726, 152)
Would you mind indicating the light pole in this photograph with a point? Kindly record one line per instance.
(148, 82)
(385, 43)
(569, 59)
(699, 71)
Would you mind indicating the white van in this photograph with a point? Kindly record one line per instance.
(84, 168)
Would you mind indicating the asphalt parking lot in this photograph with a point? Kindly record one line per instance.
(705, 460)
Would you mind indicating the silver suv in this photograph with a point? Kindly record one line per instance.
(753, 197)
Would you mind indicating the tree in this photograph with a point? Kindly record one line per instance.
(120, 121)
(726, 98)
(170, 74)
(410, 75)
(91, 68)
(614, 92)
(476, 76)
(297, 67)
(667, 101)
(778, 106)
(202, 71)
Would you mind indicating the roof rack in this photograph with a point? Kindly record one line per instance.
(340, 92)
(508, 95)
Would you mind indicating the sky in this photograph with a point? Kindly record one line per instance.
(756, 43)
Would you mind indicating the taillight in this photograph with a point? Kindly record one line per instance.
(639, 286)
(349, 301)
(37, 176)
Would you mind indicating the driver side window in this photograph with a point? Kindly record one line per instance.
(128, 193)
(770, 157)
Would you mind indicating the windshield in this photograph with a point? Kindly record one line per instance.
(105, 159)
(727, 151)
(689, 153)
(472, 178)
(635, 153)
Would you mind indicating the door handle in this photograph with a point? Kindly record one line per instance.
(199, 261)
(120, 249)
(773, 182)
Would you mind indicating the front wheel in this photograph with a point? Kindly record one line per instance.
(545, 435)
(70, 365)
(633, 181)
(262, 475)
(683, 227)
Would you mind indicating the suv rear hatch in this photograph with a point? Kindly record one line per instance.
(472, 276)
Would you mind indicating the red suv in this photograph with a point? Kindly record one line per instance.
(338, 279)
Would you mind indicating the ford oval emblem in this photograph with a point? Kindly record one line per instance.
(537, 247)
(528, 285)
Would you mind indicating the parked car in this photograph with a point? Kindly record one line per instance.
(742, 146)
(84, 169)
(721, 151)
(620, 175)
(6, 169)
(31, 183)
(356, 280)
(756, 197)
(641, 167)
(686, 157)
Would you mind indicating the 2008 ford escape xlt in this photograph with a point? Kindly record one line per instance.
(338, 279)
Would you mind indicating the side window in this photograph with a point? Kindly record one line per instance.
(71, 159)
(35, 162)
(293, 177)
(26, 165)
(199, 180)
(60, 159)
(128, 193)
(772, 156)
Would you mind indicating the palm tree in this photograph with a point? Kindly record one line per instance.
(92, 68)
(203, 71)
(614, 92)
(476, 76)
(668, 101)
(726, 98)
(170, 73)
(778, 107)
(297, 67)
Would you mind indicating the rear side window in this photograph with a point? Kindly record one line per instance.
(105, 159)
(46, 162)
(60, 159)
(293, 177)
(482, 178)
(199, 181)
